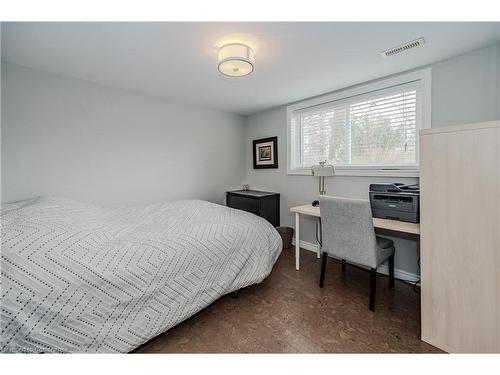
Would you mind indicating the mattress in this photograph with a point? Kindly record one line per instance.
(79, 278)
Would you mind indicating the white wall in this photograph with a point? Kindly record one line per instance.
(67, 137)
(464, 89)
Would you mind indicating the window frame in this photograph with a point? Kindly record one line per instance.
(424, 122)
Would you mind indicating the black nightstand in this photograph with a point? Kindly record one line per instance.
(261, 203)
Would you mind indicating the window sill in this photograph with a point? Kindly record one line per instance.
(362, 172)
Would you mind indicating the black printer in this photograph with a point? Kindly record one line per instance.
(395, 201)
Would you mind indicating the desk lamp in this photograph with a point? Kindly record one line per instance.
(322, 170)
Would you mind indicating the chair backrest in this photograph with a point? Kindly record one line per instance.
(347, 230)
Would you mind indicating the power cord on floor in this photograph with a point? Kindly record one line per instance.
(416, 284)
(318, 224)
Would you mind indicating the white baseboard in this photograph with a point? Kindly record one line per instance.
(382, 269)
(306, 245)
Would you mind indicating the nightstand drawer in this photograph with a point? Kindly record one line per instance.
(262, 203)
(244, 203)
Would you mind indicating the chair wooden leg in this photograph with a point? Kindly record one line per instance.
(391, 271)
(343, 265)
(373, 288)
(323, 269)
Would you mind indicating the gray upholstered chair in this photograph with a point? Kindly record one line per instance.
(347, 233)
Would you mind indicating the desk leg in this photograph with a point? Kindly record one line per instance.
(297, 241)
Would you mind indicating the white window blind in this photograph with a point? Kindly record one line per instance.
(376, 129)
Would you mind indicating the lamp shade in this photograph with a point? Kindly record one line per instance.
(323, 170)
(236, 60)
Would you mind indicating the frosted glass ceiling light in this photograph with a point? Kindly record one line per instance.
(236, 60)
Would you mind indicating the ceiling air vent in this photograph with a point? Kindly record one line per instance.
(403, 47)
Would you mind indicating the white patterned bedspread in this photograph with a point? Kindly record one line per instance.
(81, 278)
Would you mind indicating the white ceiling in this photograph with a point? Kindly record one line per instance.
(178, 60)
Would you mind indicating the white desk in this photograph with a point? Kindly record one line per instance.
(308, 210)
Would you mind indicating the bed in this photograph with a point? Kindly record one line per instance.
(77, 278)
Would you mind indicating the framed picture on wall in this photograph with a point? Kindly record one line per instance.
(265, 153)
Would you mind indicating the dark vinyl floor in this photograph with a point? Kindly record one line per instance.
(289, 313)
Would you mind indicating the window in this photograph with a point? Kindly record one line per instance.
(371, 130)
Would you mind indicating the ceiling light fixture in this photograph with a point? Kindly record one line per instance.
(236, 60)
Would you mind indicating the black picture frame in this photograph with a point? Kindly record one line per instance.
(268, 153)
